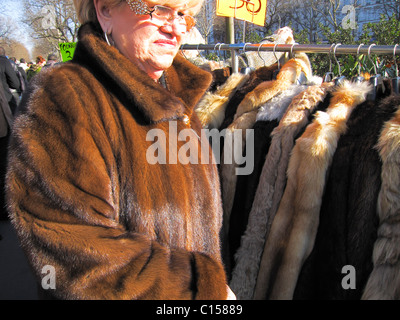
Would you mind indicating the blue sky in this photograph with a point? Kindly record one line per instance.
(12, 8)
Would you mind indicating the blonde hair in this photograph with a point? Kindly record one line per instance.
(87, 13)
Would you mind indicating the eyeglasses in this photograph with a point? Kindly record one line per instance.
(161, 14)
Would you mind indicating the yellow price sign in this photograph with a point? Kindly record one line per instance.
(249, 10)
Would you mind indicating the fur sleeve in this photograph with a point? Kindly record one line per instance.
(63, 201)
(384, 280)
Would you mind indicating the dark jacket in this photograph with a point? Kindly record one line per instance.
(85, 197)
(8, 77)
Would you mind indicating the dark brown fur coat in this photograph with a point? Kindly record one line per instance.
(348, 216)
(83, 197)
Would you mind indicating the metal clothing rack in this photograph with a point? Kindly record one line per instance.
(293, 48)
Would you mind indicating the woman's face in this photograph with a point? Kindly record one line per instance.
(143, 41)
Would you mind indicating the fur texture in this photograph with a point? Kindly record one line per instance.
(384, 281)
(272, 110)
(256, 77)
(271, 187)
(288, 75)
(348, 218)
(83, 196)
(294, 228)
(265, 58)
(284, 90)
(246, 186)
(211, 108)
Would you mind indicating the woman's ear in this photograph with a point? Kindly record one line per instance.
(103, 15)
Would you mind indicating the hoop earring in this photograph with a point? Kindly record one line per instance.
(106, 37)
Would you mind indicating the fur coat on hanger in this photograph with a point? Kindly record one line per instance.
(348, 216)
(272, 111)
(271, 187)
(384, 281)
(295, 224)
(272, 93)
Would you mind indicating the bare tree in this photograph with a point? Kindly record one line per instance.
(205, 19)
(278, 15)
(332, 11)
(6, 29)
(16, 49)
(52, 20)
(391, 7)
(307, 15)
(7, 25)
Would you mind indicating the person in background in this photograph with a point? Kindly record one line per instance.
(6, 119)
(34, 69)
(9, 81)
(51, 60)
(23, 64)
(21, 74)
(86, 191)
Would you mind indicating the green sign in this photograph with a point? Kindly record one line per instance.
(67, 50)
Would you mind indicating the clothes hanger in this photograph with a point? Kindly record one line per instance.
(275, 73)
(358, 78)
(200, 53)
(302, 79)
(328, 77)
(292, 55)
(259, 54)
(340, 79)
(376, 80)
(218, 53)
(247, 70)
(396, 79)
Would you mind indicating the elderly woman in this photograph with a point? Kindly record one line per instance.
(98, 217)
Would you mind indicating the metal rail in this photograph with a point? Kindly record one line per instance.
(307, 48)
(293, 48)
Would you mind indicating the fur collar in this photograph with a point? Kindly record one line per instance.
(290, 72)
(211, 108)
(276, 107)
(186, 82)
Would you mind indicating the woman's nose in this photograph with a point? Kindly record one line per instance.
(174, 27)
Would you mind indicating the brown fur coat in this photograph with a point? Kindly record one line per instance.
(84, 198)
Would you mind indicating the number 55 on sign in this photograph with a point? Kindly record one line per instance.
(249, 10)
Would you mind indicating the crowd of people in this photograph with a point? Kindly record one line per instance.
(15, 76)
